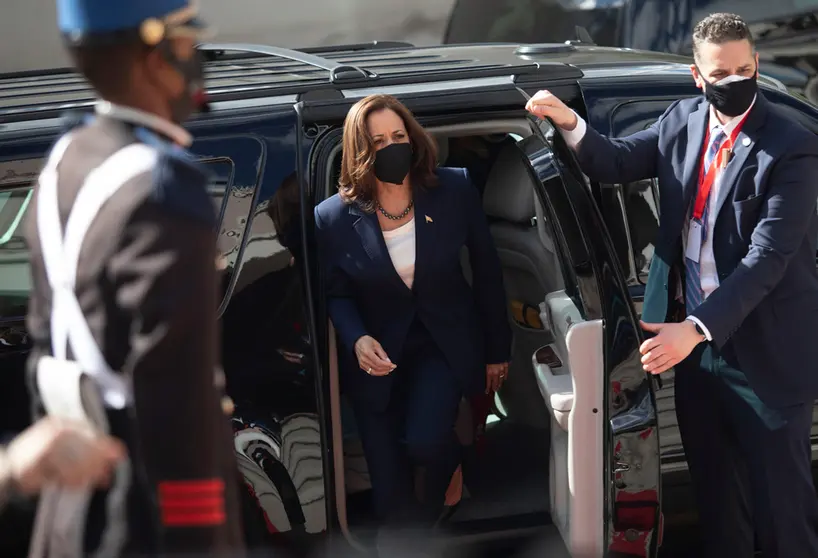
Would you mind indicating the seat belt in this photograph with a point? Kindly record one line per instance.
(81, 388)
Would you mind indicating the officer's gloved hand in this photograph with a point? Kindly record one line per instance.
(55, 451)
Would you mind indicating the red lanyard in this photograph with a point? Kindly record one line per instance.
(718, 163)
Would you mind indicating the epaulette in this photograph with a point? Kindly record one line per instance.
(179, 184)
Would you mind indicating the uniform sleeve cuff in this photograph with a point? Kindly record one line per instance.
(703, 327)
(573, 137)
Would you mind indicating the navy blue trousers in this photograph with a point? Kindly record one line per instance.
(416, 429)
(750, 464)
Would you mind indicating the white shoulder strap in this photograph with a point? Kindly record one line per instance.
(68, 324)
(47, 212)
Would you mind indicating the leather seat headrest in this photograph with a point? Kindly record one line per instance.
(509, 193)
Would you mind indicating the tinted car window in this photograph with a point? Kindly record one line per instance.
(16, 178)
(16, 181)
(632, 215)
(640, 200)
(632, 210)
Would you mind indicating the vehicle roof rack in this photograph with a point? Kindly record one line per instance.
(337, 72)
(237, 71)
(372, 45)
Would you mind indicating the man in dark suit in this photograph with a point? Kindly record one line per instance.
(732, 295)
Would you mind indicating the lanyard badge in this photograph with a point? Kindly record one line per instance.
(707, 177)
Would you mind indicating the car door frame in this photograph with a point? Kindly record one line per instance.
(631, 444)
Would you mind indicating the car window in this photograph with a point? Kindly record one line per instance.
(574, 257)
(631, 210)
(640, 201)
(631, 214)
(16, 181)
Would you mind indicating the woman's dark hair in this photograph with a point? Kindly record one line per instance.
(357, 182)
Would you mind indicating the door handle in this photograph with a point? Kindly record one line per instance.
(621, 467)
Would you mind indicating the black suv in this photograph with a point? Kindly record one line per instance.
(582, 447)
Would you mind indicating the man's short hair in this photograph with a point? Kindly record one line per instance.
(107, 68)
(721, 28)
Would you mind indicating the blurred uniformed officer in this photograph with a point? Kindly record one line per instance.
(122, 238)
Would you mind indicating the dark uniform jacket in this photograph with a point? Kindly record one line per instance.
(147, 285)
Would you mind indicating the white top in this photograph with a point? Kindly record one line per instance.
(707, 260)
(401, 245)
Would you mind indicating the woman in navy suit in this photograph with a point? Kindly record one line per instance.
(414, 336)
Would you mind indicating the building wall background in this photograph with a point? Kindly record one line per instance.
(29, 38)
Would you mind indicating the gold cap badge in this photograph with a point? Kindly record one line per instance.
(152, 31)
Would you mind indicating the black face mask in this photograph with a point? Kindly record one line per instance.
(392, 163)
(731, 99)
(193, 98)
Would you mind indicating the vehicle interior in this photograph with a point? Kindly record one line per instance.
(522, 470)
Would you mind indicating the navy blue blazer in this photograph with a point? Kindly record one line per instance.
(366, 296)
(764, 240)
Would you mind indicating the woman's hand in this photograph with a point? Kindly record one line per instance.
(495, 376)
(372, 358)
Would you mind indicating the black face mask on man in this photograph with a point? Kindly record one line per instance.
(392, 163)
(732, 95)
(193, 98)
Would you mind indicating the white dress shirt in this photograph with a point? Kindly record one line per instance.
(400, 243)
(707, 261)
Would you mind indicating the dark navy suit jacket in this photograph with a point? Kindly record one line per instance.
(366, 296)
(764, 242)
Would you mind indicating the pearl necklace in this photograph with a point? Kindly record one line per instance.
(399, 216)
